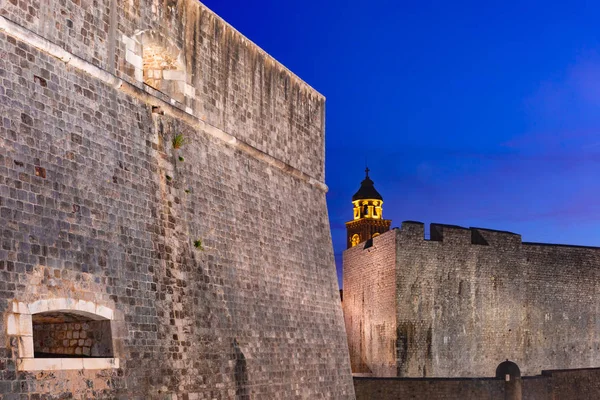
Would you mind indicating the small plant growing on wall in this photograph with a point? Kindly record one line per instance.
(198, 244)
(178, 141)
(181, 159)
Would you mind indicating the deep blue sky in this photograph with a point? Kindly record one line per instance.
(469, 113)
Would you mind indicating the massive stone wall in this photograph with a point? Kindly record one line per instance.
(234, 85)
(370, 305)
(471, 298)
(204, 258)
(468, 299)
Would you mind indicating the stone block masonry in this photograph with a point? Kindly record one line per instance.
(99, 212)
(471, 298)
(468, 299)
(370, 305)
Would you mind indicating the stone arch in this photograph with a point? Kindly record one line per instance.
(163, 64)
(20, 324)
(508, 370)
(82, 307)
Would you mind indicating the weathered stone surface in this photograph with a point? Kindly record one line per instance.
(468, 299)
(370, 305)
(98, 210)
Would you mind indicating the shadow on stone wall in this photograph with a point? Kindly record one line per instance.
(240, 373)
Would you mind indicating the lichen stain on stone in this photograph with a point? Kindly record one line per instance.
(405, 339)
(192, 41)
(226, 62)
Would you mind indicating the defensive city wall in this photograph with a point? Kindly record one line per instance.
(464, 300)
(576, 384)
(163, 224)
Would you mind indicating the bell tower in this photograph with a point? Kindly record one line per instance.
(368, 219)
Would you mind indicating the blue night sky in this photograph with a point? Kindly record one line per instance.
(468, 113)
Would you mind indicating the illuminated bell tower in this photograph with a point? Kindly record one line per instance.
(368, 220)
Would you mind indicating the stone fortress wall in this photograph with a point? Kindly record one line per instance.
(204, 258)
(467, 299)
(575, 384)
(370, 306)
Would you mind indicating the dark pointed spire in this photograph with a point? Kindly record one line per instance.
(367, 189)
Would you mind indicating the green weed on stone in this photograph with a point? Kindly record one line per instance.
(178, 141)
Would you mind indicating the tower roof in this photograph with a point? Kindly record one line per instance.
(367, 190)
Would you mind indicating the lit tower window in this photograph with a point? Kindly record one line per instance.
(368, 219)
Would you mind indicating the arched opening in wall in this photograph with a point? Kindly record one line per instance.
(163, 65)
(66, 334)
(508, 371)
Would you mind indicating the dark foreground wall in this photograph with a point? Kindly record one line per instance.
(579, 384)
(213, 262)
(428, 388)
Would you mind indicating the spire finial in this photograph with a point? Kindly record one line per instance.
(367, 171)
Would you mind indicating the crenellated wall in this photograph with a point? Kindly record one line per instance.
(470, 298)
(204, 253)
(467, 299)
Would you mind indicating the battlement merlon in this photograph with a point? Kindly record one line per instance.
(455, 234)
(412, 229)
(496, 238)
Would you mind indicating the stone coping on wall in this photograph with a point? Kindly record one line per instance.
(544, 374)
(571, 384)
(424, 379)
(56, 364)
